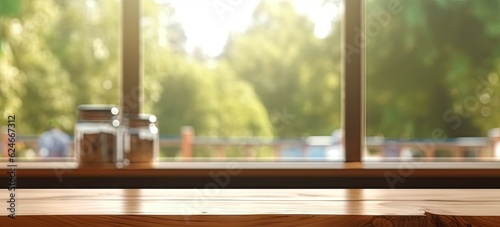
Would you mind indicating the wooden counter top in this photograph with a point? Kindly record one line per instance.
(211, 206)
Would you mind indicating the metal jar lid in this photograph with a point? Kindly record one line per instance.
(97, 112)
(140, 120)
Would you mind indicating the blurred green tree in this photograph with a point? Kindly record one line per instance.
(424, 67)
(290, 68)
(185, 90)
(86, 42)
(37, 87)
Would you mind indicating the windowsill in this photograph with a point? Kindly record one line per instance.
(259, 169)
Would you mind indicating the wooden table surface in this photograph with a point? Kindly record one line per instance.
(254, 207)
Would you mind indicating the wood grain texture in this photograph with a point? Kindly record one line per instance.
(219, 220)
(467, 221)
(255, 207)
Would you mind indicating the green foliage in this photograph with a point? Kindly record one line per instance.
(211, 100)
(290, 68)
(86, 43)
(9, 8)
(183, 90)
(425, 65)
(38, 88)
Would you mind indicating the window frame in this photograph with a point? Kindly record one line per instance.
(352, 173)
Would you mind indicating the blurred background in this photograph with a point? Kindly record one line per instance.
(260, 80)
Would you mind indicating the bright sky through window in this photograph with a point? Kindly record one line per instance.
(208, 23)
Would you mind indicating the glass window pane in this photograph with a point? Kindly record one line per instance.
(54, 56)
(244, 80)
(432, 79)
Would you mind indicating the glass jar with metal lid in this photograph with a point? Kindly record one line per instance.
(96, 134)
(141, 139)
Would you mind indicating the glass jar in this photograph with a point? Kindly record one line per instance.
(141, 139)
(96, 134)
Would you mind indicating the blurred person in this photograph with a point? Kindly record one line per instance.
(54, 142)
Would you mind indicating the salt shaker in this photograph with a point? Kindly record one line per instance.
(96, 134)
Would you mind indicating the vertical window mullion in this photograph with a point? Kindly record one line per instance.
(131, 57)
(352, 80)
